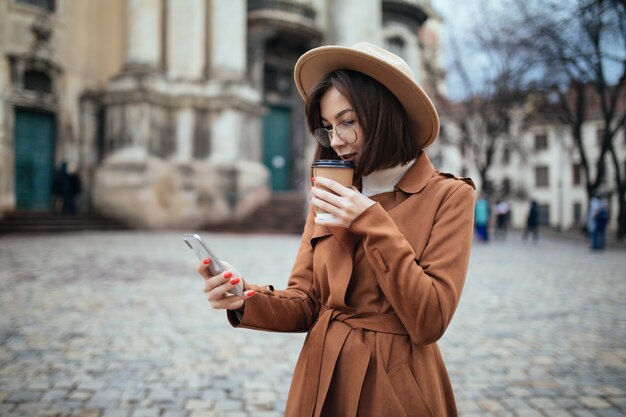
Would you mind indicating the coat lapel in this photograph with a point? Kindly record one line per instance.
(319, 231)
(339, 261)
(346, 239)
(344, 236)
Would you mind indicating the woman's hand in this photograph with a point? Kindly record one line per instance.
(346, 206)
(216, 287)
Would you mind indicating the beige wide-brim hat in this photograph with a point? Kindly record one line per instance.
(388, 69)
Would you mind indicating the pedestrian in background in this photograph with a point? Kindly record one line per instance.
(481, 218)
(600, 219)
(594, 204)
(502, 219)
(532, 222)
(58, 181)
(70, 187)
(375, 286)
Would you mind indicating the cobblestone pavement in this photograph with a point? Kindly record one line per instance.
(116, 325)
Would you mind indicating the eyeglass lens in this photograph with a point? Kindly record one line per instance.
(344, 131)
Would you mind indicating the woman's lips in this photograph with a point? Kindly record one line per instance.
(348, 156)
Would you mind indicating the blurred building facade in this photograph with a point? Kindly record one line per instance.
(179, 113)
(540, 161)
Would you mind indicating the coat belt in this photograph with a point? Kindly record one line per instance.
(323, 354)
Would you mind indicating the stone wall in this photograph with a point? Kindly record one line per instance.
(150, 192)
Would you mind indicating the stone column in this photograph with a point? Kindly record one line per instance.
(227, 40)
(226, 136)
(227, 62)
(353, 21)
(185, 119)
(143, 34)
(7, 172)
(186, 39)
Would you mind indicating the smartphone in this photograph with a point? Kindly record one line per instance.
(202, 251)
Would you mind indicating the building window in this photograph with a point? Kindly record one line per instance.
(544, 214)
(541, 176)
(488, 186)
(278, 80)
(576, 174)
(397, 45)
(578, 213)
(506, 186)
(37, 81)
(541, 142)
(506, 156)
(49, 5)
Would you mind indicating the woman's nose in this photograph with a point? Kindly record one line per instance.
(335, 140)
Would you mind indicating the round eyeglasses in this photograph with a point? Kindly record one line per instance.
(345, 131)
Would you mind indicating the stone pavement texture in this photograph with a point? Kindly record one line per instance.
(115, 324)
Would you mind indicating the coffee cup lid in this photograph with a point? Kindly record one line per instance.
(332, 163)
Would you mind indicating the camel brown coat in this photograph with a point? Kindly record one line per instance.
(374, 299)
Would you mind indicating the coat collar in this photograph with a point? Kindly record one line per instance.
(418, 175)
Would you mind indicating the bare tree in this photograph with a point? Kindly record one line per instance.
(579, 52)
(485, 116)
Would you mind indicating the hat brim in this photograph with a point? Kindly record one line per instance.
(421, 112)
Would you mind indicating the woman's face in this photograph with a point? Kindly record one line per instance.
(336, 109)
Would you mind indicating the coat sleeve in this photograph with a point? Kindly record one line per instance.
(291, 310)
(424, 293)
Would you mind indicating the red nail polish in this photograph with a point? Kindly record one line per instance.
(228, 274)
(234, 281)
(313, 179)
(207, 261)
(250, 293)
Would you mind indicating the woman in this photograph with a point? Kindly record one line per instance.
(376, 285)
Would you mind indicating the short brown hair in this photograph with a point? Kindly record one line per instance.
(388, 140)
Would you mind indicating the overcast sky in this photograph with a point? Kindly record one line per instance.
(457, 20)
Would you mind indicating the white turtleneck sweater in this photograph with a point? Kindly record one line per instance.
(384, 180)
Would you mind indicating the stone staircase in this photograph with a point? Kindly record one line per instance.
(284, 214)
(43, 222)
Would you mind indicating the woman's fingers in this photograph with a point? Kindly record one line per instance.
(213, 280)
(203, 268)
(332, 185)
(327, 196)
(231, 302)
(345, 206)
(342, 206)
(217, 289)
(336, 201)
(327, 207)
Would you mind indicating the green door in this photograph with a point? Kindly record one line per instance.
(34, 159)
(277, 146)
